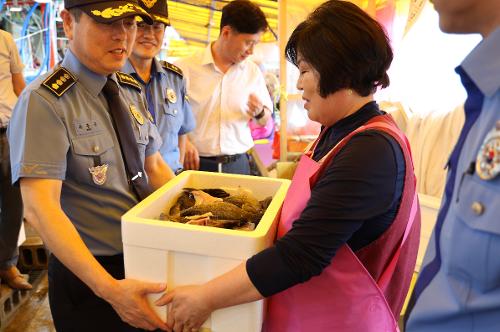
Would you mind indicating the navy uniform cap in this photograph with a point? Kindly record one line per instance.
(158, 9)
(109, 11)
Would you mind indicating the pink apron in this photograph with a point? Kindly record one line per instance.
(345, 296)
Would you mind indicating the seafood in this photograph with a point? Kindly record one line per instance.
(217, 208)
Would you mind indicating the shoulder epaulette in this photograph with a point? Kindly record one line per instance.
(59, 81)
(169, 66)
(128, 80)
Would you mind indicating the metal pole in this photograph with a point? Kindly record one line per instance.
(282, 38)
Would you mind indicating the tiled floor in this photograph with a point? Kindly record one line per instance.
(34, 315)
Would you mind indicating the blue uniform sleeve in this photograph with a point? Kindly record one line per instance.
(38, 139)
(155, 141)
(189, 122)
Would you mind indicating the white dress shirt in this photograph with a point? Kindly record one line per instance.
(10, 63)
(219, 103)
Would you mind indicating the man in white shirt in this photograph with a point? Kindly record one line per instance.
(11, 85)
(226, 90)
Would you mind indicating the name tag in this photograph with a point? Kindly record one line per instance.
(86, 127)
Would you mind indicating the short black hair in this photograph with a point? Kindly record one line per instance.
(243, 16)
(76, 12)
(348, 48)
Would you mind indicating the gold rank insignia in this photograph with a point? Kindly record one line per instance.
(171, 96)
(149, 3)
(137, 115)
(128, 80)
(173, 68)
(150, 117)
(99, 174)
(59, 81)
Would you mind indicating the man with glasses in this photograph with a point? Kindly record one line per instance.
(163, 85)
(226, 90)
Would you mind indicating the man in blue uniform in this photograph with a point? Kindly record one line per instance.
(163, 84)
(458, 288)
(84, 153)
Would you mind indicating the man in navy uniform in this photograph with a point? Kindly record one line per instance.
(458, 288)
(84, 152)
(163, 85)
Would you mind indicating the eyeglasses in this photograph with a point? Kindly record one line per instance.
(156, 26)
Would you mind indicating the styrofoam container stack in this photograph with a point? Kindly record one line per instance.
(181, 254)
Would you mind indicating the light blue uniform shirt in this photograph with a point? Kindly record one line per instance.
(465, 293)
(62, 137)
(171, 118)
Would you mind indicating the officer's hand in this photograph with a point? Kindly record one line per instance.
(128, 298)
(189, 308)
(255, 106)
(191, 157)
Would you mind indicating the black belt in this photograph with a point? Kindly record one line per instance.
(227, 159)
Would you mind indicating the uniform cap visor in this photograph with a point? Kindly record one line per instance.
(160, 18)
(111, 11)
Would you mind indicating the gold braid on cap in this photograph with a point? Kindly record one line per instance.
(116, 12)
(161, 19)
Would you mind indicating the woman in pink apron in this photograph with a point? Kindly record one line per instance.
(349, 228)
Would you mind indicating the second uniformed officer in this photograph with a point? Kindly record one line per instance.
(84, 152)
(163, 84)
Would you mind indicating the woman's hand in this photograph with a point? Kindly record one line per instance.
(189, 308)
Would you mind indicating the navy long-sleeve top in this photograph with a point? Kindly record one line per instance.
(354, 202)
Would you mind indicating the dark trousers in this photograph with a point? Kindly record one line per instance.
(75, 307)
(12, 209)
(240, 165)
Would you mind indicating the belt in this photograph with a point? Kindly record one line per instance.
(224, 159)
(3, 130)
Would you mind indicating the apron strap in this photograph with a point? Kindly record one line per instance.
(377, 123)
(387, 274)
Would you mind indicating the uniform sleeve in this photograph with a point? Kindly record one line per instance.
(37, 138)
(16, 64)
(155, 141)
(189, 122)
(361, 185)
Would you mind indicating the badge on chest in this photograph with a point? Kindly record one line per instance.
(488, 157)
(171, 96)
(137, 115)
(99, 174)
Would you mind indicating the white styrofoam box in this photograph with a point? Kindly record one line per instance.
(429, 207)
(180, 254)
(22, 235)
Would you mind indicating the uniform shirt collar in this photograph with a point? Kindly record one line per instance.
(91, 81)
(483, 64)
(156, 69)
(128, 68)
